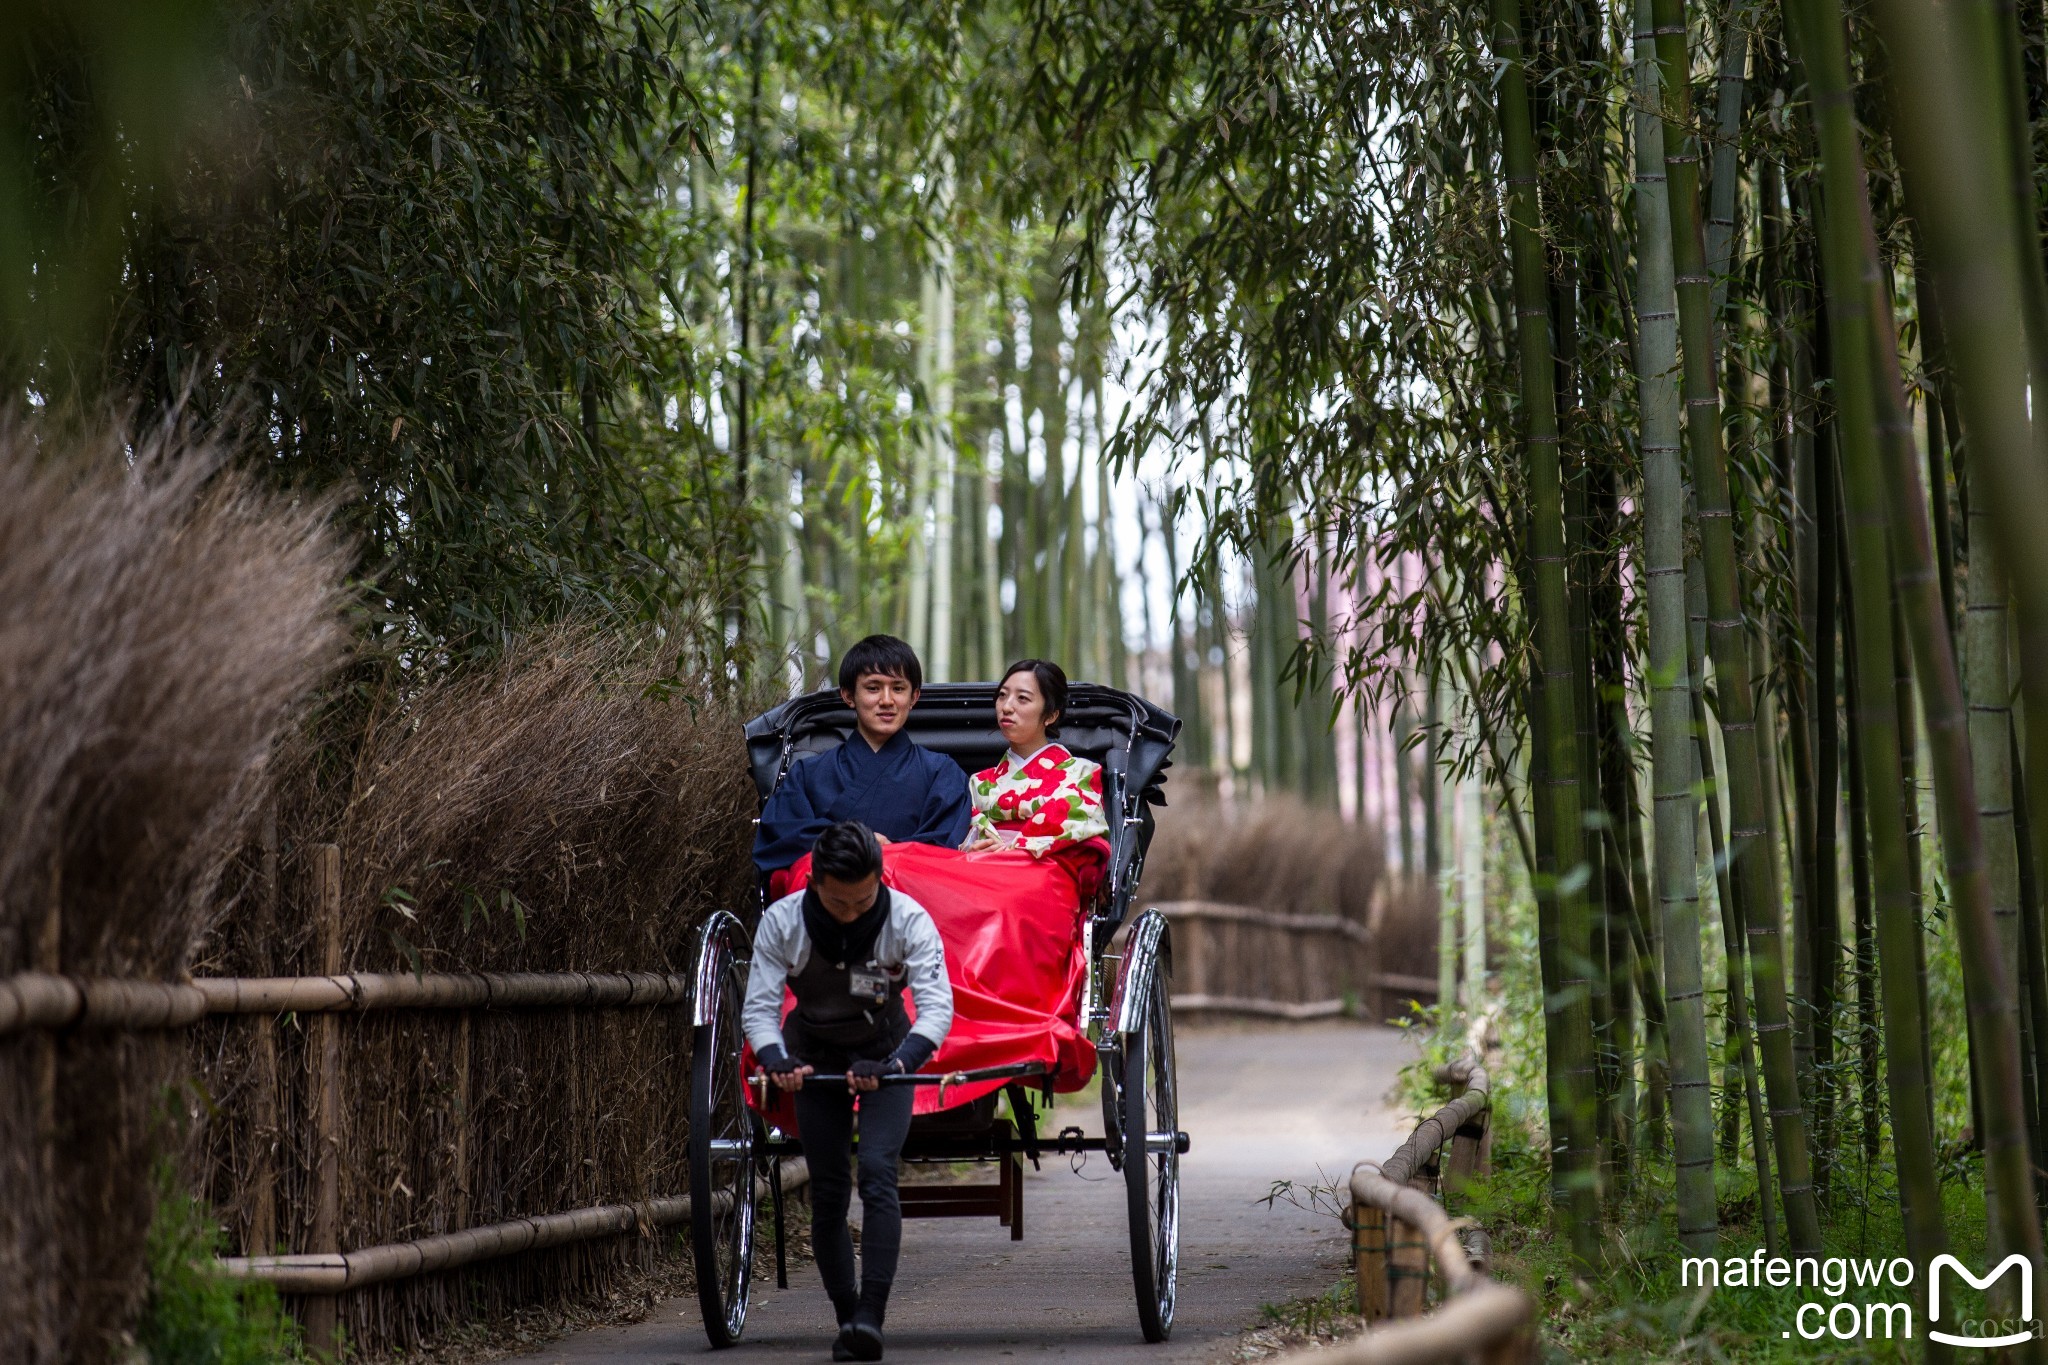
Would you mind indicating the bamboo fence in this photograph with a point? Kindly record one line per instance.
(306, 1119)
(1399, 1229)
(1240, 959)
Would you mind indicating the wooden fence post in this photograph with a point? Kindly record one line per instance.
(1407, 1270)
(323, 1311)
(463, 1211)
(49, 957)
(1463, 1167)
(1408, 1256)
(264, 1131)
(1369, 1259)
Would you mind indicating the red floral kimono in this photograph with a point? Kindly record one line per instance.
(1053, 799)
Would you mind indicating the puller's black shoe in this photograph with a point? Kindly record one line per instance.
(860, 1339)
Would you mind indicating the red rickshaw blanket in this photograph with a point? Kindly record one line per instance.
(1012, 929)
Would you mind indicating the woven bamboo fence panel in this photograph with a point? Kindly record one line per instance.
(337, 1112)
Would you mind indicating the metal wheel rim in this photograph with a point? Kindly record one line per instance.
(722, 1159)
(1152, 1178)
(1163, 1175)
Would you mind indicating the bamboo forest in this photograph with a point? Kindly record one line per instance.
(1571, 468)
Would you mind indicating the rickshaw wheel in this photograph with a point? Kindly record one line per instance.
(723, 1140)
(1151, 1158)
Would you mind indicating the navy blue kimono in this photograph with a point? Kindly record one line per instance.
(902, 791)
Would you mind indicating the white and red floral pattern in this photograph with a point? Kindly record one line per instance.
(1051, 799)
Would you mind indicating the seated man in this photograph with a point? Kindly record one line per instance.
(899, 789)
(846, 947)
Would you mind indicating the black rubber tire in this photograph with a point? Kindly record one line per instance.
(723, 1156)
(1152, 1178)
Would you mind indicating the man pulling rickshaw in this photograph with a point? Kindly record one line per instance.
(1007, 916)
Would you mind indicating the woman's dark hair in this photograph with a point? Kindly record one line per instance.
(1052, 685)
(884, 654)
(846, 852)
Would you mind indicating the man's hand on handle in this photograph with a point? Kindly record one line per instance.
(865, 1076)
(784, 1070)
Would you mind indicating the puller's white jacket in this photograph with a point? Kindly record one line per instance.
(908, 946)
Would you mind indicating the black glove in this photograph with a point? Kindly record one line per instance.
(775, 1061)
(913, 1052)
(876, 1070)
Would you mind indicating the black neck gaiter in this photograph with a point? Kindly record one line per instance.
(839, 943)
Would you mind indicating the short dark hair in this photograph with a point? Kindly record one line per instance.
(884, 654)
(846, 852)
(1052, 685)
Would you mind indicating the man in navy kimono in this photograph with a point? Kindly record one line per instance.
(897, 788)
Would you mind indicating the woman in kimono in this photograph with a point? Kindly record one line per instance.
(1040, 797)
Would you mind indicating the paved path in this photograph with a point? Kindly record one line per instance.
(1261, 1104)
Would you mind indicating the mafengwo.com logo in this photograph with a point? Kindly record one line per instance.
(1852, 1297)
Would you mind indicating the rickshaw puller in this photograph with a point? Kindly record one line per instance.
(846, 947)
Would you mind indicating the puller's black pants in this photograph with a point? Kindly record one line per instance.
(825, 1123)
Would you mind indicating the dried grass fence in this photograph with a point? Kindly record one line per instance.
(1399, 1228)
(561, 814)
(44, 1001)
(1284, 910)
(163, 785)
(160, 621)
(1238, 959)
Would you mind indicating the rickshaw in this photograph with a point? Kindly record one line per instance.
(1121, 966)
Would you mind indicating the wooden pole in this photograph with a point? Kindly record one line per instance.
(1369, 1259)
(460, 1163)
(322, 1311)
(260, 1237)
(49, 958)
(1407, 1267)
(1463, 1167)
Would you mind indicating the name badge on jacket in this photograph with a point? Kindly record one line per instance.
(867, 983)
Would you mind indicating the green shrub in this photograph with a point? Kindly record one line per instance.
(196, 1316)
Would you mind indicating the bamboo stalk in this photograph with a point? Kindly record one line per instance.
(1799, 647)
(2034, 977)
(1722, 188)
(944, 483)
(1627, 934)
(1987, 930)
(1671, 681)
(1953, 139)
(1860, 343)
(1580, 1217)
(1916, 858)
(1576, 471)
(1471, 861)
(1825, 897)
(1491, 1323)
(43, 1000)
(1754, 861)
(1744, 1046)
(1867, 1026)
(330, 1274)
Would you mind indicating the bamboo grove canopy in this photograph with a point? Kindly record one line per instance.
(1644, 386)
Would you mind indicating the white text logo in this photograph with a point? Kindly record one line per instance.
(1934, 1299)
